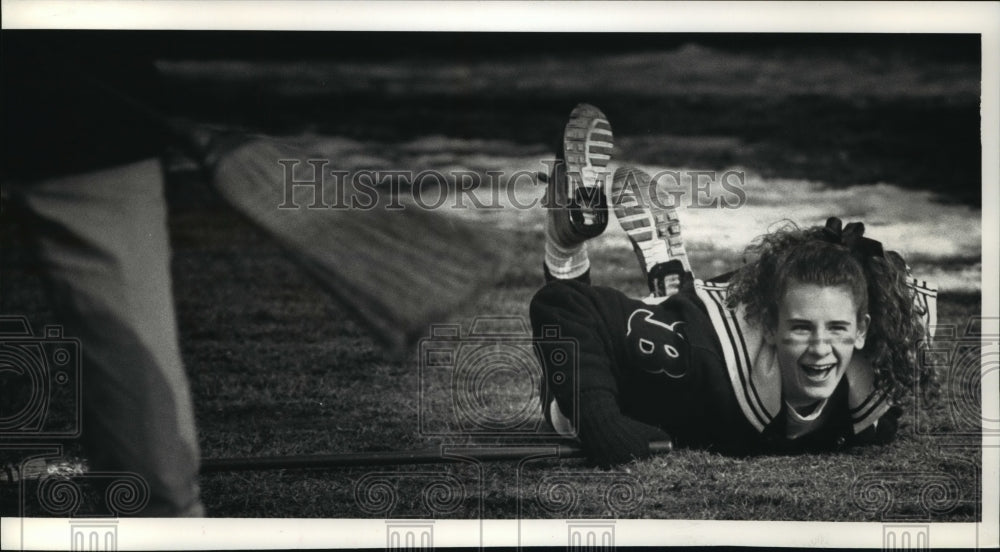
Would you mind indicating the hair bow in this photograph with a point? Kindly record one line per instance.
(852, 237)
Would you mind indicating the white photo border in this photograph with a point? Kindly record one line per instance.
(773, 17)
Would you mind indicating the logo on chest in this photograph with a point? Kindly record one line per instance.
(658, 344)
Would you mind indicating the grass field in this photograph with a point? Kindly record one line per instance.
(276, 367)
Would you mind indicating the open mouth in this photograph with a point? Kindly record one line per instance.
(818, 371)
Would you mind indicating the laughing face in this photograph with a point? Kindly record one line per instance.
(817, 333)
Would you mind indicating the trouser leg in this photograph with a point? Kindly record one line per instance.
(103, 242)
(593, 318)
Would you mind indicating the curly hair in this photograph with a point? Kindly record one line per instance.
(877, 283)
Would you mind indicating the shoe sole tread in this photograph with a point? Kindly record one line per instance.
(654, 230)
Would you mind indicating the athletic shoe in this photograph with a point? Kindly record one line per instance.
(580, 175)
(653, 227)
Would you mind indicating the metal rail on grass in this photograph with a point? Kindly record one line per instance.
(39, 468)
(401, 458)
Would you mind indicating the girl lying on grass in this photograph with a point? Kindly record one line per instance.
(811, 345)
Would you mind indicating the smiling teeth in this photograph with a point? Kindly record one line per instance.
(821, 369)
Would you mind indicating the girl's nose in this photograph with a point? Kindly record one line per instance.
(819, 345)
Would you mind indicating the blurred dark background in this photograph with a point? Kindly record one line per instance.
(835, 108)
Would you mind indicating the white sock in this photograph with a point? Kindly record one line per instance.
(564, 262)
